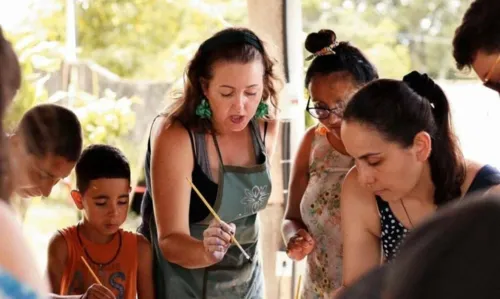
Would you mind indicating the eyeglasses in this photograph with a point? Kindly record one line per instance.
(492, 84)
(323, 113)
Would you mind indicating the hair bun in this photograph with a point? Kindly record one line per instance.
(318, 40)
(421, 84)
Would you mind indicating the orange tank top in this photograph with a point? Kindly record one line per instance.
(120, 276)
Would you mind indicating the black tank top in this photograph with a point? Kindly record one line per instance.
(392, 230)
(200, 177)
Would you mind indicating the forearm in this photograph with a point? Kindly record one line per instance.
(290, 227)
(185, 251)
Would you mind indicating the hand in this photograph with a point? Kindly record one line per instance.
(300, 245)
(217, 238)
(97, 291)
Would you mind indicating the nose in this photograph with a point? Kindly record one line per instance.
(113, 210)
(365, 176)
(240, 102)
(334, 119)
(46, 189)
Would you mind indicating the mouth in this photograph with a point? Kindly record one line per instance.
(379, 192)
(236, 119)
(111, 226)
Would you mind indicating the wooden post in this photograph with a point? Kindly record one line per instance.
(266, 20)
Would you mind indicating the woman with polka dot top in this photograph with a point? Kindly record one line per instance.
(407, 165)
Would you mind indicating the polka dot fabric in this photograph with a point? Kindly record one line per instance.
(392, 231)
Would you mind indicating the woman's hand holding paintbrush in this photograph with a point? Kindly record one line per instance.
(217, 238)
(222, 229)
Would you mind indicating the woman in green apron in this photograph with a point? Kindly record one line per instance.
(219, 134)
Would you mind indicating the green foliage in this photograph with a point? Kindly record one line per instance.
(150, 39)
(104, 119)
(37, 57)
(397, 36)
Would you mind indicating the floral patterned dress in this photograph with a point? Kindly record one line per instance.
(320, 211)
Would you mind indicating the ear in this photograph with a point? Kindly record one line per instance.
(129, 189)
(204, 85)
(77, 199)
(422, 146)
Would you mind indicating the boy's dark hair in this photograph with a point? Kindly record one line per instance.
(51, 129)
(480, 30)
(100, 161)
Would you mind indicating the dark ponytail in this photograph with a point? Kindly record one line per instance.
(347, 58)
(10, 82)
(400, 110)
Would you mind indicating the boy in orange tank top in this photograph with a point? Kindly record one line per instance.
(121, 260)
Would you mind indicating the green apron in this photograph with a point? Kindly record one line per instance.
(242, 192)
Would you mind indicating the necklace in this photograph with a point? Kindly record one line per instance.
(100, 265)
(406, 212)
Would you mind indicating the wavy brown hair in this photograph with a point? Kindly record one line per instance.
(220, 48)
(10, 82)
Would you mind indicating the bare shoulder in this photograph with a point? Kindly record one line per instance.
(272, 127)
(271, 134)
(144, 253)
(471, 170)
(304, 149)
(57, 246)
(359, 203)
(473, 167)
(171, 144)
(309, 135)
(352, 189)
(143, 243)
(168, 131)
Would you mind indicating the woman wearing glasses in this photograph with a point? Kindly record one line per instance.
(312, 219)
(476, 43)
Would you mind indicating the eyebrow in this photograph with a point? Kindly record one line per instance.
(367, 155)
(249, 86)
(104, 196)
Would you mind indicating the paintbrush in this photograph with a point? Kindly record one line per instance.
(233, 239)
(90, 270)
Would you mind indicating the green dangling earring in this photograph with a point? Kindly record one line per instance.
(262, 110)
(203, 109)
